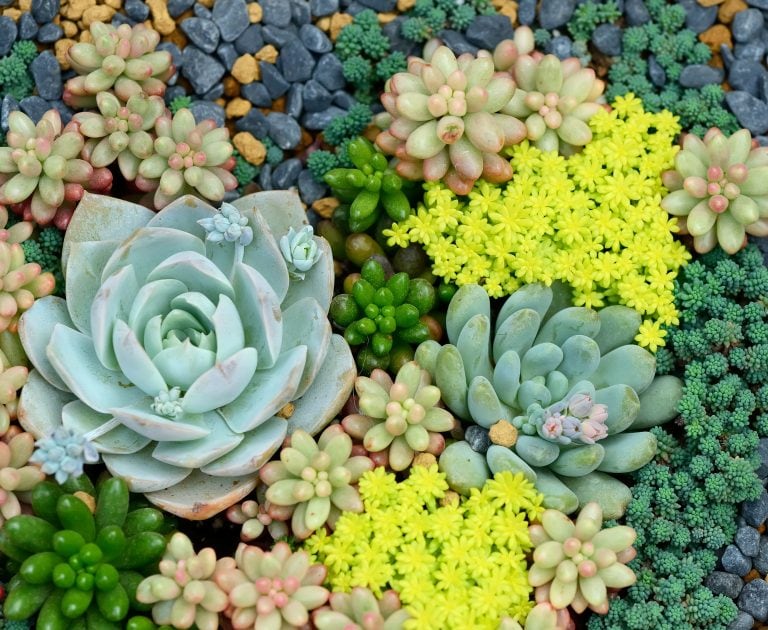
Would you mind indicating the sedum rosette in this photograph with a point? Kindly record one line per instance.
(177, 355)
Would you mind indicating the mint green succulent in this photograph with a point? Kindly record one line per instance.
(177, 353)
(577, 391)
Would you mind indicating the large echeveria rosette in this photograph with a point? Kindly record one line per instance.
(175, 353)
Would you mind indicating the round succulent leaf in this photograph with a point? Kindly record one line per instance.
(181, 365)
(473, 343)
(294, 461)
(501, 458)
(400, 454)
(410, 376)
(701, 219)
(557, 496)
(561, 593)
(339, 448)
(417, 437)
(536, 451)
(506, 377)
(618, 327)
(347, 499)
(578, 461)
(617, 575)
(689, 164)
(623, 405)
(744, 209)
(629, 365)
(464, 468)
(142, 472)
(469, 300)
(593, 590)
(611, 494)
(452, 380)
(575, 320)
(484, 405)
(516, 333)
(40, 405)
(377, 438)
(426, 355)
(35, 327)
(679, 203)
(197, 453)
(531, 392)
(730, 233)
(557, 384)
(627, 452)
(134, 362)
(438, 420)
(357, 466)
(540, 360)
(263, 328)
(539, 576)
(305, 323)
(581, 357)
(658, 403)
(283, 492)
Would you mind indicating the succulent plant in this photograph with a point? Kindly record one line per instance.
(41, 164)
(121, 58)
(316, 479)
(254, 517)
(271, 590)
(183, 594)
(184, 359)
(555, 98)
(16, 475)
(300, 251)
(360, 610)
(719, 189)
(547, 382)
(401, 417)
(187, 157)
(78, 564)
(445, 121)
(63, 454)
(576, 564)
(543, 616)
(120, 132)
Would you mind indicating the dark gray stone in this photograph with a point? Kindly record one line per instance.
(46, 72)
(228, 54)
(343, 99)
(722, 583)
(201, 11)
(329, 72)
(656, 72)
(172, 92)
(8, 105)
(393, 32)
(753, 50)
(747, 76)
(205, 110)
(64, 110)
(320, 120)
(381, 6)
(250, 40)
(286, 174)
(120, 18)
(747, 24)
(607, 39)
(478, 438)
(34, 107)
(314, 39)
(748, 541)
(201, 70)
(457, 42)
(202, 33)
(743, 621)
(177, 7)
(699, 75)
(316, 97)
(255, 123)
(309, 189)
(172, 48)
(276, 12)
(265, 177)
(323, 7)
(294, 102)
(279, 37)
(49, 33)
(555, 13)
(8, 32)
(300, 12)
(231, 16)
(45, 10)
(727, 55)
(217, 91)
(697, 17)
(256, 93)
(273, 80)
(635, 12)
(283, 130)
(752, 114)
(758, 4)
(735, 562)
(27, 26)
(760, 562)
(526, 12)
(561, 47)
(136, 10)
(754, 599)
(762, 451)
(296, 62)
(488, 30)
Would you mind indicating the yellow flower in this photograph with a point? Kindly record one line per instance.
(651, 335)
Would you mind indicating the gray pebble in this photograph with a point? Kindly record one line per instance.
(746, 25)
(278, 37)
(315, 96)
(286, 174)
(309, 189)
(748, 541)
(265, 177)
(275, 83)
(754, 599)
(203, 33)
(722, 583)
(231, 16)
(393, 31)
(172, 92)
(228, 54)
(457, 42)
(382, 6)
(735, 562)
(64, 110)
(49, 33)
(752, 114)
(697, 17)
(343, 99)
(314, 39)
(276, 12)
(699, 75)
(300, 12)
(526, 12)
(256, 93)
(761, 561)
(255, 123)
(316, 121)
(554, 13)
(46, 72)
(635, 12)
(320, 8)
(656, 72)
(175, 52)
(747, 76)
(201, 11)
(8, 31)
(8, 105)
(136, 10)
(753, 50)
(329, 72)
(34, 107)
(758, 4)
(201, 70)
(488, 30)
(296, 62)
(478, 438)
(177, 7)
(607, 39)
(45, 10)
(283, 130)
(250, 40)
(27, 26)
(205, 110)
(120, 18)
(727, 55)
(743, 621)
(217, 91)
(294, 103)
(561, 47)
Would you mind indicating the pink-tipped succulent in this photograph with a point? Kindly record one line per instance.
(719, 190)
(543, 616)
(360, 610)
(123, 59)
(271, 590)
(15, 473)
(400, 416)
(120, 132)
(508, 51)
(555, 99)
(184, 594)
(445, 122)
(189, 158)
(313, 482)
(574, 564)
(256, 516)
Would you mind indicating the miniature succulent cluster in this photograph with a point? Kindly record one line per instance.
(360, 610)
(16, 473)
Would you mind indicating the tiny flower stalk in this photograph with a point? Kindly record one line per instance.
(360, 610)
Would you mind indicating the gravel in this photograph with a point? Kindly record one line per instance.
(200, 69)
(747, 76)
(294, 101)
(255, 123)
(489, 30)
(286, 174)
(250, 40)
(751, 113)
(34, 107)
(748, 540)
(204, 110)
(276, 12)
(296, 62)
(49, 33)
(747, 24)
(735, 562)
(231, 16)
(328, 72)
(284, 130)
(722, 583)
(607, 39)
(754, 599)
(47, 75)
(697, 17)
(478, 438)
(256, 93)
(316, 121)
(309, 189)
(136, 10)
(27, 26)
(320, 8)
(177, 7)
(744, 621)
(555, 13)
(45, 10)
(316, 98)
(635, 12)
(314, 39)
(8, 32)
(699, 74)
(275, 83)
(203, 33)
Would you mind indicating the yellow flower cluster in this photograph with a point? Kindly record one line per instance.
(593, 220)
(456, 564)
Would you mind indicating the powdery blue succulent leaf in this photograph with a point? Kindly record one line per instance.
(112, 301)
(221, 384)
(581, 356)
(469, 300)
(142, 472)
(183, 214)
(540, 360)
(578, 461)
(264, 328)
(183, 364)
(264, 255)
(536, 451)
(575, 320)
(317, 282)
(623, 404)
(279, 210)
(472, 344)
(35, 328)
(516, 333)
(141, 419)
(506, 377)
(40, 405)
(631, 365)
(252, 453)
(85, 264)
(228, 328)
(500, 458)
(134, 362)
(484, 405)
(197, 272)
(154, 299)
(81, 419)
(451, 378)
(536, 297)
(618, 326)
(197, 453)
(627, 452)
(305, 324)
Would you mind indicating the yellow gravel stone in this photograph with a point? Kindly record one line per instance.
(115, 4)
(101, 13)
(25, 5)
(325, 206)
(404, 5)
(503, 433)
(14, 14)
(254, 12)
(424, 459)
(75, 9)
(268, 53)
(249, 147)
(85, 36)
(60, 49)
(323, 24)
(385, 18)
(70, 28)
(161, 19)
(246, 69)
(238, 107)
(338, 22)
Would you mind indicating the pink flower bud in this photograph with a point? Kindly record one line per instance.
(714, 173)
(718, 204)
(580, 405)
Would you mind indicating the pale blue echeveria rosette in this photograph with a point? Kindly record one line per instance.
(185, 343)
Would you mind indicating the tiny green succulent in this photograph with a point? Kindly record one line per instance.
(361, 610)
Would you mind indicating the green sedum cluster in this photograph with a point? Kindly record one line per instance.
(15, 77)
(429, 17)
